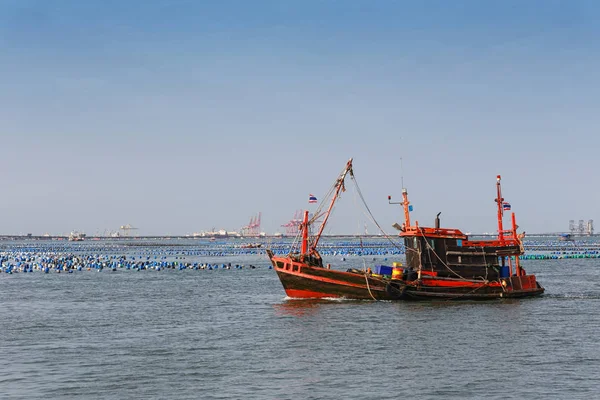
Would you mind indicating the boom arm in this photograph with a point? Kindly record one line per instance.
(338, 186)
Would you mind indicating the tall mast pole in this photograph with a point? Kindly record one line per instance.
(515, 237)
(338, 186)
(305, 233)
(405, 204)
(499, 200)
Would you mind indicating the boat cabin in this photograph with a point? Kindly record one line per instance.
(449, 253)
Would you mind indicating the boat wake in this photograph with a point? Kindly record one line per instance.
(574, 296)
(312, 299)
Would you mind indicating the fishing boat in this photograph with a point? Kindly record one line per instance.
(441, 263)
(251, 246)
(566, 237)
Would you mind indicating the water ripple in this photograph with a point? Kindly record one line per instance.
(234, 334)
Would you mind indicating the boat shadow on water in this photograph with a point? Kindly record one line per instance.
(297, 307)
(303, 307)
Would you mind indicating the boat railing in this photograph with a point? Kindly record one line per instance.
(490, 243)
(433, 232)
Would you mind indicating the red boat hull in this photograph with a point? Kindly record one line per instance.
(317, 282)
(303, 281)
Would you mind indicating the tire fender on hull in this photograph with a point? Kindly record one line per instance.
(395, 292)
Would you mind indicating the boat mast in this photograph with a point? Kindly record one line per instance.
(338, 186)
(499, 200)
(305, 233)
(405, 204)
(516, 238)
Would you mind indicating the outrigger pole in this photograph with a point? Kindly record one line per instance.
(339, 185)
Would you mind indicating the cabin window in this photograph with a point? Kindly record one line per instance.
(459, 259)
(295, 268)
(287, 267)
(415, 243)
(432, 242)
(280, 264)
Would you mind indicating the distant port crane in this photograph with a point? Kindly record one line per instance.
(292, 227)
(126, 229)
(253, 227)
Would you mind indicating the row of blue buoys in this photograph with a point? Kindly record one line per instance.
(11, 268)
(350, 252)
(69, 257)
(558, 256)
(193, 248)
(46, 262)
(331, 251)
(197, 250)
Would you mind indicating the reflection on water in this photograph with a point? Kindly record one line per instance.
(297, 308)
(303, 307)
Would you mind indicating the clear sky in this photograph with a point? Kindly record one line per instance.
(177, 116)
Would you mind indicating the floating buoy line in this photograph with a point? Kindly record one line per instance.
(49, 257)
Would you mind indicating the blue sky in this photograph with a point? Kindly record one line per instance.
(180, 116)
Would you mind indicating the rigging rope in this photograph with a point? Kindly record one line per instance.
(296, 241)
(370, 214)
(365, 269)
(319, 211)
(368, 287)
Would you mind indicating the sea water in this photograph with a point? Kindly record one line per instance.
(233, 334)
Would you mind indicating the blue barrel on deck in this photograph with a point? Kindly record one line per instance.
(504, 273)
(383, 270)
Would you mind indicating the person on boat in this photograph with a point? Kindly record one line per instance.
(520, 237)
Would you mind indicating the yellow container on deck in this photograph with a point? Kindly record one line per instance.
(396, 264)
(396, 273)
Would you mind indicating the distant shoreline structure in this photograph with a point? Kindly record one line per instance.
(253, 238)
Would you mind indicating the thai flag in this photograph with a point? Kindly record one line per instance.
(312, 198)
(506, 206)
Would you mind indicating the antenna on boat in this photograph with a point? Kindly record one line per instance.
(401, 173)
(405, 203)
(401, 170)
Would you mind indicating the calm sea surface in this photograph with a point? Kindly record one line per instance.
(232, 334)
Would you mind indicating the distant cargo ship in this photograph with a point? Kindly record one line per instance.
(76, 236)
(216, 234)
